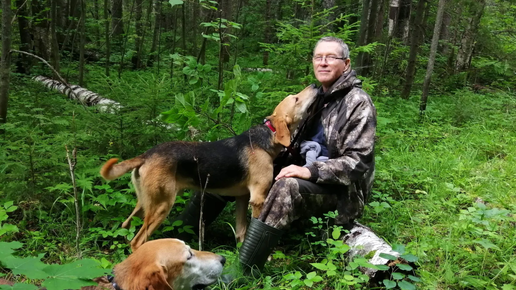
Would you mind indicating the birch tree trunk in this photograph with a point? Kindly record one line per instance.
(393, 15)
(403, 23)
(80, 94)
(433, 51)
(468, 39)
(5, 61)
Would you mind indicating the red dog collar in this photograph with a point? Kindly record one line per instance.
(269, 124)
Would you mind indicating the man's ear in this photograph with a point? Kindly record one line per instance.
(282, 132)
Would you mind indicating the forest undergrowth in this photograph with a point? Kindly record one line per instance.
(444, 189)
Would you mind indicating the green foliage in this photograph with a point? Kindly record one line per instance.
(56, 277)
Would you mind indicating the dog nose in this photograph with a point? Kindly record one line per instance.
(222, 260)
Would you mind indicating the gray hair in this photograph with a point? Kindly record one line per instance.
(343, 46)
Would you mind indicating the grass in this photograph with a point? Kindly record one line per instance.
(445, 183)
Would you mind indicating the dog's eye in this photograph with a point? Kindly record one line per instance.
(190, 255)
(296, 99)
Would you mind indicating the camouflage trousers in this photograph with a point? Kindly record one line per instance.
(290, 199)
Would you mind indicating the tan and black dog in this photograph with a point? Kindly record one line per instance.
(241, 166)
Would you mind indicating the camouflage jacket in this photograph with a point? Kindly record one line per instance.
(349, 122)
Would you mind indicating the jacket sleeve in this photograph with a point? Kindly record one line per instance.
(355, 145)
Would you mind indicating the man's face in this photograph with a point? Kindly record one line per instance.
(326, 70)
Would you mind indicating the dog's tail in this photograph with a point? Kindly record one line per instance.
(111, 171)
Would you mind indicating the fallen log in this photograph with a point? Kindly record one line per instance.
(81, 95)
(364, 242)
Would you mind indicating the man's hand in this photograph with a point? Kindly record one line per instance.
(294, 171)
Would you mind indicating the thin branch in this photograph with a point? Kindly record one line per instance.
(50, 66)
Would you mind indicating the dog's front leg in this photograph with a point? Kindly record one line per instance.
(241, 216)
(258, 195)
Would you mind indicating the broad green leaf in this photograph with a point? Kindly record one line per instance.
(414, 278)
(319, 266)
(404, 267)
(32, 267)
(175, 2)
(335, 234)
(404, 285)
(389, 284)
(19, 286)
(308, 283)
(409, 257)
(398, 276)
(85, 268)
(382, 267)
(399, 248)
(388, 256)
(487, 244)
(310, 275)
(63, 283)
(241, 107)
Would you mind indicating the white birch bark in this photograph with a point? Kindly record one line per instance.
(81, 95)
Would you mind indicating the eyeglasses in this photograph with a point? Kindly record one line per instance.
(329, 58)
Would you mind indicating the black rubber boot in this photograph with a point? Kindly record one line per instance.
(259, 241)
(213, 206)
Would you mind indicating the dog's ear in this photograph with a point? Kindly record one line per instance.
(149, 277)
(158, 279)
(282, 132)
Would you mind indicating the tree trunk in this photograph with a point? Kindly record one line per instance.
(5, 61)
(195, 24)
(414, 46)
(362, 34)
(23, 62)
(108, 38)
(327, 4)
(444, 47)
(468, 39)
(402, 27)
(54, 46)
(97, 20)
(371, 26)
(267, 30)
(380, 19)
(433, 51)
(72, 24)
(80, 94)
(82, 42)
(40, 30)
(157, 26)
(393, 15)
(136, 59)
(226, 14)
(117, 24)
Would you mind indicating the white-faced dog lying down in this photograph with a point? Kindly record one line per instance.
(167, 264)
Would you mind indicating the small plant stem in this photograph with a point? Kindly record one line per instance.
(72, 162)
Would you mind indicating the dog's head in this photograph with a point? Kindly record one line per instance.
(290, 112)
(168, 264)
